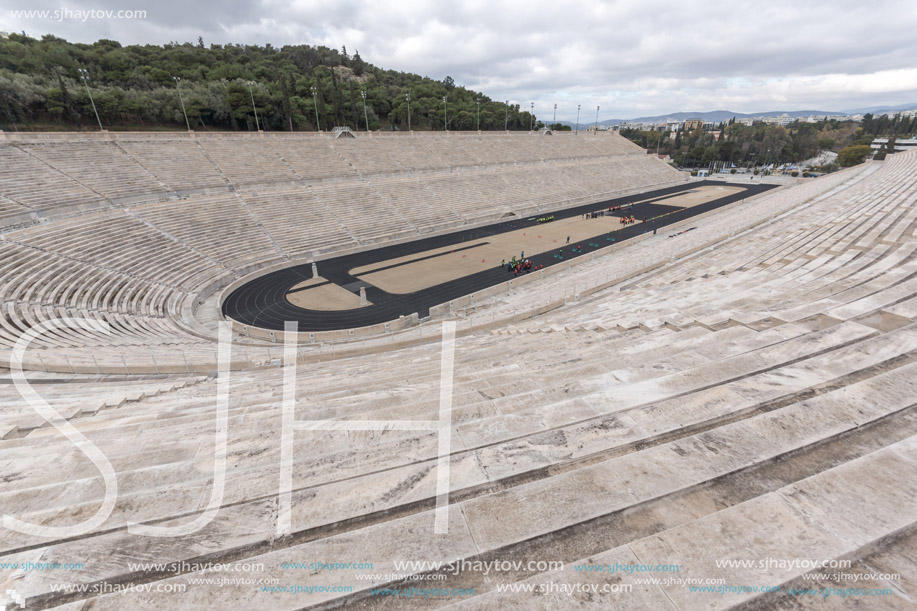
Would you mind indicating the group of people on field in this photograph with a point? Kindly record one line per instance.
(616, 208)
(520, 265)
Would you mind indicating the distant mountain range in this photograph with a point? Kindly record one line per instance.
(717, 116)
(875, 109)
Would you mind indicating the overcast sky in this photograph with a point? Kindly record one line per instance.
(631, 57)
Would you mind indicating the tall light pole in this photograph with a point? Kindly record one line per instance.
(596, 120)
(318, 127)
(555, 117)
(180, 99)
(407, 97)
(365, 116)
(85, 74)
(252, 94)
(445, 111)
(506, 120)
(478, 102)
(532, 118)
(576, 133)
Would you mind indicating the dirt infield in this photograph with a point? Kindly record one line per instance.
(456, 263)
(425, 269)
(693, 197)
(319, 294)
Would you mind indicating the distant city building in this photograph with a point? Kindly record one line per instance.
(674, 125)
(783, 119)
(893, 113)
(817, 118)
(908, 144)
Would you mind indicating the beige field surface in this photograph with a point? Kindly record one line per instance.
(326, 297)
(417, 272)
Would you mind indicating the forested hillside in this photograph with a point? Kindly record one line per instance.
(293, 88)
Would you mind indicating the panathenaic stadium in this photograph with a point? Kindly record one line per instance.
(464, 371)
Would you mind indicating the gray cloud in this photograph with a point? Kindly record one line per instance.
(632, 57)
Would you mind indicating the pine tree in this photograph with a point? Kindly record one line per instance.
(69, 112)
(286, 86)
(357, 64)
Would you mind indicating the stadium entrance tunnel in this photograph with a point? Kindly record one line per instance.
(385, 284)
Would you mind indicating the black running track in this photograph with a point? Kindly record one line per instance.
(262, 302)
